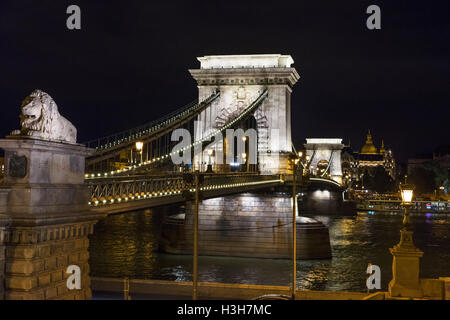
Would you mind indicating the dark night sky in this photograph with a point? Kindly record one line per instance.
(128, 65)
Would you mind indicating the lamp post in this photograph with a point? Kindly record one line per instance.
(196, 179)
(406, 262)
(244, 159)
(295, 161)
(139, 147)
(209, 168)
(246, 150)
(195, 253)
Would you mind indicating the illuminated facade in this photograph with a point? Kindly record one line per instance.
(325, 157)
(356, 164)
(241, 79)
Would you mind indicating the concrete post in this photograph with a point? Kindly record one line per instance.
(406, 268)
(50, 221)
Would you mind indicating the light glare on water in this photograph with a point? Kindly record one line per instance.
(126, 245)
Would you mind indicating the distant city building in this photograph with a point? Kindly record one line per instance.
(356, 164)
(440, 156)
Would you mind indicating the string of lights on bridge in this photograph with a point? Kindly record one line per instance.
(160, 123)
(149, 195)
(166, 156)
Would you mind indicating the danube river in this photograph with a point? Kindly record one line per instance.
(126, 245)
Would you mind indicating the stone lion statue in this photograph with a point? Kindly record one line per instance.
(40, 119)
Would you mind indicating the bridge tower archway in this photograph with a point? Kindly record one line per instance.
(241, 80)
(325, 157)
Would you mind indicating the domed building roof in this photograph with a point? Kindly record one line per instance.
(369, 147)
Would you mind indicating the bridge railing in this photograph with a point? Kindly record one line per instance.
(113, 191)
(135, 133)
(166, 157)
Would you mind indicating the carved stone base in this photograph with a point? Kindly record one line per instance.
(406, 268)
(37, 259)
(50, 220)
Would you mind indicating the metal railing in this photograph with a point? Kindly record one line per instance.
(165, 157)
(114, 190)
(135, 133)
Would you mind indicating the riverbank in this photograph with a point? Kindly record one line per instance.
(423, 207)
(112, 288)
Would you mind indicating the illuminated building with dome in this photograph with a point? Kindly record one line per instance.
(356, 164)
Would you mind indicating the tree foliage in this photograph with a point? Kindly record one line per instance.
(379, 180)
(441, 175)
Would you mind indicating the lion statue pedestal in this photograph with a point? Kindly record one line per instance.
(46, 201)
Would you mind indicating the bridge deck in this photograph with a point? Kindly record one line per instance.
(134, 193)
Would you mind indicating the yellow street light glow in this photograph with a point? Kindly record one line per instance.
(139, 145)
(407, 195)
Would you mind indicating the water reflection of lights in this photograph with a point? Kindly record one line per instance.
(314, 277)
(321, 194)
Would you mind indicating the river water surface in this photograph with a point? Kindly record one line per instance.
(126, 245)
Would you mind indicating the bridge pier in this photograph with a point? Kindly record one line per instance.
(45, 202)
(247, 225)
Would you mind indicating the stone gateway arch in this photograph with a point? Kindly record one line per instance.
(241, 79)
(325, 157)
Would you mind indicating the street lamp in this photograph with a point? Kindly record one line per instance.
(407, 192)
(139, 147)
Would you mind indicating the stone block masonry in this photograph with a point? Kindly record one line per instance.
(36, 260)
(247, 225)
(3, 223)
(45, 200)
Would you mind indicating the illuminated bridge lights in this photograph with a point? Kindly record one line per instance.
(206, 138)
(155, 125)
(172, 192)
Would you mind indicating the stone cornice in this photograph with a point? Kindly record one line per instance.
(245, 76)
(34, 235)
(14, 142)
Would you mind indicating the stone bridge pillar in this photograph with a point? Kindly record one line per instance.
(45, 203)
(241, 79)
(325, 151)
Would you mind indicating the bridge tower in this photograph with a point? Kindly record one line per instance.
(325, 157)
(241, 79)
